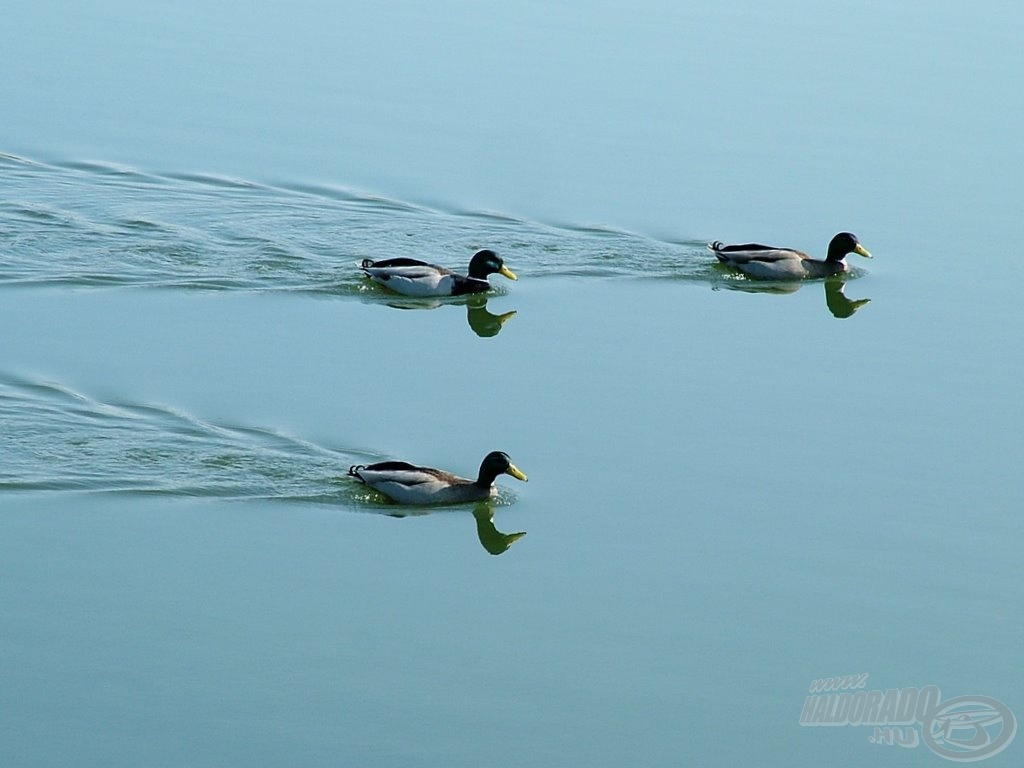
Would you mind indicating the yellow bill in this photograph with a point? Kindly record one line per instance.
(514, 471)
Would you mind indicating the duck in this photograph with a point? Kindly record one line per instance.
(412, 277)
(766, 262)
(408, 484)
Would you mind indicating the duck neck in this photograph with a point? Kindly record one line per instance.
(469, 285)
(836, 254)
(486, 478)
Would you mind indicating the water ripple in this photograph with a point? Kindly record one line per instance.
(53, 438)
(87, 223)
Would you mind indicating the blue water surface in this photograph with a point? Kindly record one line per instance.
(735, 489)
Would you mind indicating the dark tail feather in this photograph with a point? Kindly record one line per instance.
(716, 248)
(366, 263)
(353, 471)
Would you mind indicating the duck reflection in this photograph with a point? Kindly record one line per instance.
(838, 304)
(836, 300)
(493, 540)
(484, 324)
(482, 321)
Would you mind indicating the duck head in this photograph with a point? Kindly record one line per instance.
(844, 243)
(487, 262)
(497, 463)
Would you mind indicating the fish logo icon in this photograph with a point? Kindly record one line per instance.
(969, 728)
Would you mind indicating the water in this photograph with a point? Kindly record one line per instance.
(735, 488)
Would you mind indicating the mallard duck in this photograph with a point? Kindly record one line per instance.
(770, 263)
(409, 484)
(412, 277)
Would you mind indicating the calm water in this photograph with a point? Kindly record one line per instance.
(735, 489)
